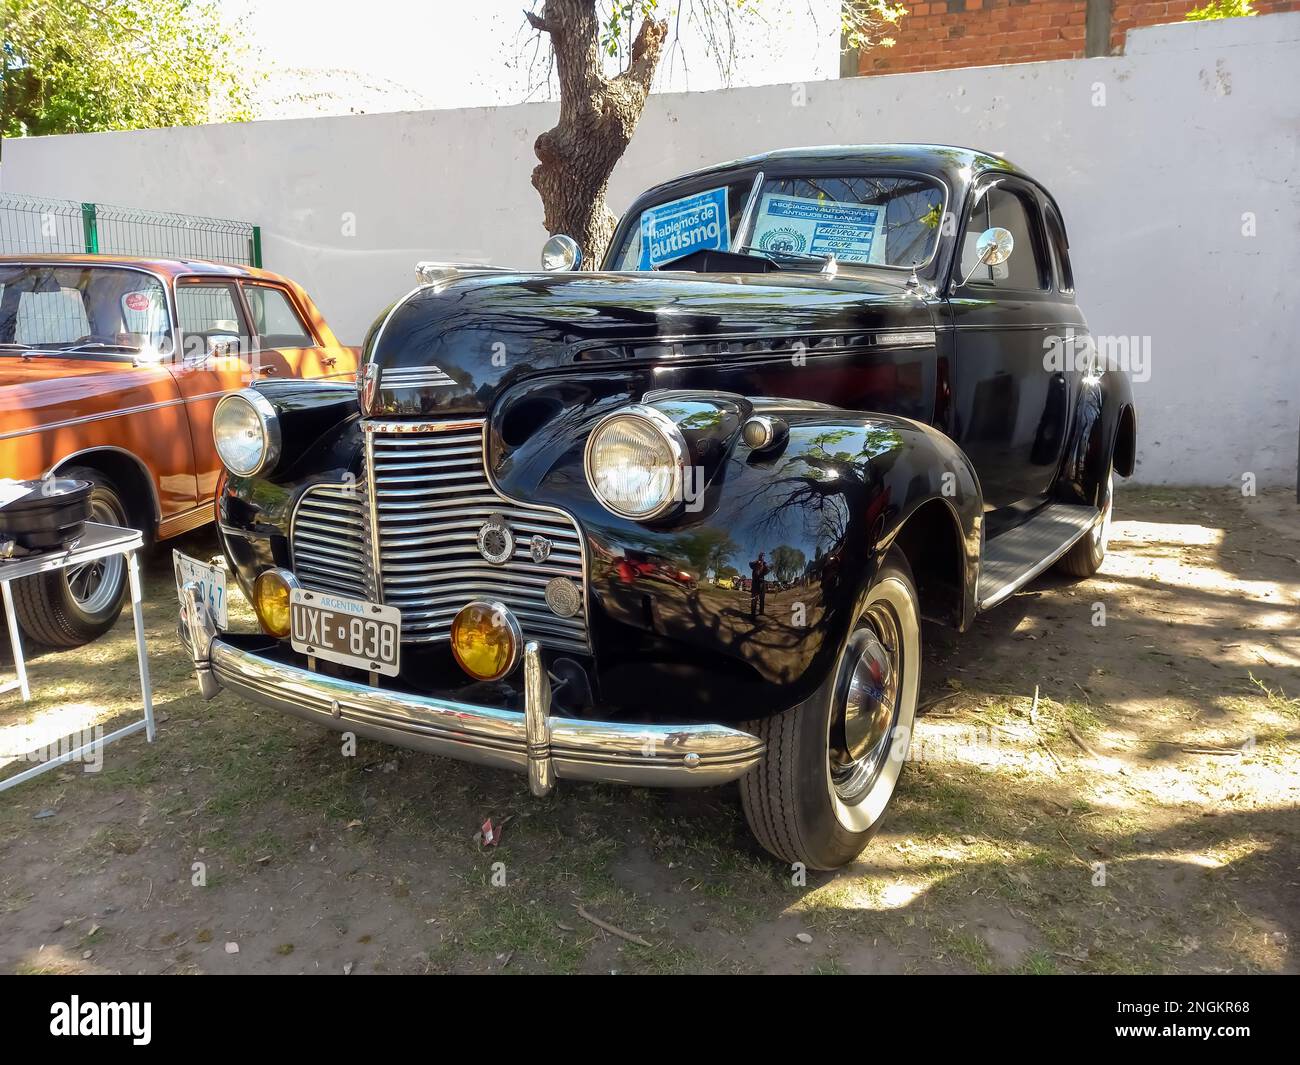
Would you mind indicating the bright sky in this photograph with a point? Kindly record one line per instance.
(327, 57)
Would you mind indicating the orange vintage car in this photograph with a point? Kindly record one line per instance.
(109, 371)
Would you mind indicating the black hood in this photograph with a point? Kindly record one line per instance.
(451, 347)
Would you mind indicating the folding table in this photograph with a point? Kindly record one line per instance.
(96, 542)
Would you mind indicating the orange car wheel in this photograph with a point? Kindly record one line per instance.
(73, 606)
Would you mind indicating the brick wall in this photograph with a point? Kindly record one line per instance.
(936, 34)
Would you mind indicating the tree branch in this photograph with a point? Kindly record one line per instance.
(646, 50)
(538, 23)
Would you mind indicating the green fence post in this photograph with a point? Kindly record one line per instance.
(90, 228)
(255, 247)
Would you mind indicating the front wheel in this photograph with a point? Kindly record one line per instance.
(72, 606)
(833, 761)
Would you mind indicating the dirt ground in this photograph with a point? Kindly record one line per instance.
(1144, 816)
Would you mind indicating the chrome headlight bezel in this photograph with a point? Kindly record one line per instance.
(268, 422)
(674, 442)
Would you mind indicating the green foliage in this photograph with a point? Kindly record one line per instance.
(787, 563)
(1215, 9)
(621, 21)
(862, 22)
(82, 66)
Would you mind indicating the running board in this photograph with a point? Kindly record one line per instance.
(1019, 555)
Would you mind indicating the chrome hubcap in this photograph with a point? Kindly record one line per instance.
(860, 739)
(95, 585)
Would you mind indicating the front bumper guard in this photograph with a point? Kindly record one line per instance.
(546, 748)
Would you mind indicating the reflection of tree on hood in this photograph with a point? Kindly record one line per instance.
(830, 486)
(787, 563)
(704, 549)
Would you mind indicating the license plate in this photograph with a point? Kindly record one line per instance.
(350, 632)
(211, 581)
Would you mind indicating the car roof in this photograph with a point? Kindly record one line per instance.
(169, 268)
(956, 165)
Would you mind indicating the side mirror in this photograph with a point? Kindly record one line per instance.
(995, 246)
(992, 248)
(221, 346)
(561, 252)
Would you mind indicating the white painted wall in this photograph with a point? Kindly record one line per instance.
(1200, 125)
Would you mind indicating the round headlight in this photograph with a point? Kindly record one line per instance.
(486, 639)
(271, 593)
(634, 459)
(246, 432)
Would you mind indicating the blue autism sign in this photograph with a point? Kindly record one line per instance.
(679, 227)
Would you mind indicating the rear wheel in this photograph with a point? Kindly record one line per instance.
(73, 606)
(1085, 557)
(833, 761)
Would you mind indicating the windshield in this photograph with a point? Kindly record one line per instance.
(96, 309)
(869, 219)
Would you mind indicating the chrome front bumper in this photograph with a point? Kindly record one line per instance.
(546, 748)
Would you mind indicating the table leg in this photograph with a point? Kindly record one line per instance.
(15, 640)
(142, 653)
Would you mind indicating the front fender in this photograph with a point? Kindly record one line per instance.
(672, 606)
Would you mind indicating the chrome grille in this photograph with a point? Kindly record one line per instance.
(328, 537)
(430, 495)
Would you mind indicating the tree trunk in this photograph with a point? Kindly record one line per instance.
(598, 116)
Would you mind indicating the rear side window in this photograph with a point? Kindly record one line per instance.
(208, 309)
(275, 318)
(1025, 270)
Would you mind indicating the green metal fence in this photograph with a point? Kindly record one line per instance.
(31, 224)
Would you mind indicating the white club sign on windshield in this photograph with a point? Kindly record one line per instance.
(797, 225)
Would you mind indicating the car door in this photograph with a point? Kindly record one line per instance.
(214, 358)
(286, 344)
(1011, 400)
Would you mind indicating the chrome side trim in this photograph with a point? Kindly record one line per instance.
(123, 412)
(429, 376)
(907, 339)
(545, 748)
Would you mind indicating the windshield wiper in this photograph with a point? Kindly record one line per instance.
(92, 345)
(827, 263)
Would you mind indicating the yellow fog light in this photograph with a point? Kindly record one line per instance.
(486, 640)
(271, 601)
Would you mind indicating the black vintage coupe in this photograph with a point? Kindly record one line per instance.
(676, 522)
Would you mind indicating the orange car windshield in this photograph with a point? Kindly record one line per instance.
(90, 309)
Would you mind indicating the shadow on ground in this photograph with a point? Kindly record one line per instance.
(1142, 816)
